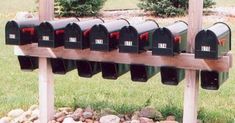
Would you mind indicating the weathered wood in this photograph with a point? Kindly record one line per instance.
(46, 91)
(184, 60)
(46, 84)
(192, 77)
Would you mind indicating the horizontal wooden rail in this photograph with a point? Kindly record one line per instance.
(183, 60)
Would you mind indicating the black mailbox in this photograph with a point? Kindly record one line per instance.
(28, 63)
(213, 42)
(169, 41)
(142, 73)
(113, 70)
(88, 68)
(77, 34)
(135, 39)
(51, 33)
(171, 75)
(21, 32)
(212, 80)
(105, 37)
(62, 66)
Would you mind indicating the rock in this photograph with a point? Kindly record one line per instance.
(146, 120)
(59, 114)
(60, 119)
(170, 118)
(35, 112)
(33, 107)
(69, 120)
(151, 113)
(87, 115)
(199, 121)
(89, 121)
(107, 111)
(135, 121)
(169, 122)
(5, 120)
(37, 121)
(15, 113)
(110, 119)
(66, 110)
(135, 115)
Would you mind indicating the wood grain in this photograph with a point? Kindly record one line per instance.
(184, 60)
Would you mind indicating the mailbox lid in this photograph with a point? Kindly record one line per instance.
(113, 70)
(62, 66)
(21, 32)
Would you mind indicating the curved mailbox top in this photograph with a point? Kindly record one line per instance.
(170, 40)
(213, 42)
(59, 24)
(20, 32)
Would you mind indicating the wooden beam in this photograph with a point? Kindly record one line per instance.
(192, 77)
(189, 62)
(46, 84)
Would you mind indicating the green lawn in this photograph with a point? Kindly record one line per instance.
(20, 89)
(227, 3)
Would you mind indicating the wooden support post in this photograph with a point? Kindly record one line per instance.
(46, 84)
(192, 76)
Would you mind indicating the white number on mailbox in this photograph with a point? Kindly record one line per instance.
(45, 38)
(128, 43)
(162, 45)
(72, 39)
(99, 41)
(12, 36)
(206, 48)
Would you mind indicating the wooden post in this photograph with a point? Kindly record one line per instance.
(46, 84)
(192, 76)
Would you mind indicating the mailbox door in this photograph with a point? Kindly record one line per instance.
(99, 38)
(46, 35)
(162, 42)
(88, 68)
(142, 73)
(12, 33)
(128, 42)
(171, 75)
(206, 45)
(62, 66)
(212, 80)
(73, 37)
(28, 63)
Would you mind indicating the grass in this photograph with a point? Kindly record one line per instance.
(20, 89)
(121, 4)
(226, 3)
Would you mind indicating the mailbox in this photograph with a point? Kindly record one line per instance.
(21, 32)
(136, 39)
(213, 42)
(77, 34)
(113, 70)
(62, 66)
(212, 80)
(87, 68)
(28, 63)
(171, 75)
(105, 37)
(170, 41)
(51, 33)
(142, 73)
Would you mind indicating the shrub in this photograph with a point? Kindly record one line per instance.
(166, 8)
(78, 7)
